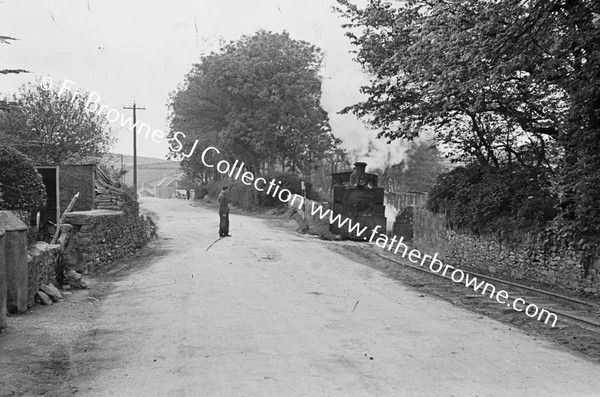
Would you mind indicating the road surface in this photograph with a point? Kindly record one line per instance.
(269, 312)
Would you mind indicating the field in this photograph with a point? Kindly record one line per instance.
(149, 168)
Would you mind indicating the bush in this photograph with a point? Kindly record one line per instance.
(493, 200)
(130, 204)
(240, 195)
(201, 193)
(21, 186)
(289, 181)
(243, 196)
(247, 197)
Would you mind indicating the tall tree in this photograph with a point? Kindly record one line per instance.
(569, 34)
(417, 173)
(437, 65)
(507, 82)
(258, 99)
(54, 129)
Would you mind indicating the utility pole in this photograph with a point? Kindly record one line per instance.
(122, 167)
(134, 108)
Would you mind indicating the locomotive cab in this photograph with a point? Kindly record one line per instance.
(355, 195)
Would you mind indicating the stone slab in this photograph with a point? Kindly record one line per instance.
(17, 270)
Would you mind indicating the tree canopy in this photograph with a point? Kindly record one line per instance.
(442, 65)
(54, 129)
(506, 83)
(258, 101)
(417, 173)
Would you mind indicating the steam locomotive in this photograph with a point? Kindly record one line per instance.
(355, 195)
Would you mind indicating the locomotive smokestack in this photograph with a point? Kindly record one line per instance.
(358, 175)
(360, 168)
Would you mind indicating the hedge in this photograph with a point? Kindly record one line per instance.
(21, 186)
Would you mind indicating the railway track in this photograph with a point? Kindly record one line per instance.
(568, 309)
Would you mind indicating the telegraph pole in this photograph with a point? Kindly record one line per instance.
(134, 108)
(122, 167)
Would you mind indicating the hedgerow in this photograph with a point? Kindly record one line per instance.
(21, 186)
(247, 197)
(494, 200)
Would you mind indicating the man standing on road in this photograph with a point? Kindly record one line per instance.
(224, 213)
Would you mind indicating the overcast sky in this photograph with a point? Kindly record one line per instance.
(141, 50)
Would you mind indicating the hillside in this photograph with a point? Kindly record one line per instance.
(149, 168)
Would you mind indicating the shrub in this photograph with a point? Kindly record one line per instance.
(494, 200)
(289, 181)
(21, 186)
(243, 196)
(247, 197)
(130, 204)
(201, 192)
(240, 195)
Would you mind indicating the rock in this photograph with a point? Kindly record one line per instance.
(66, 287)
(45, 299)
(56, 290)
(75, 280)
(51, 291)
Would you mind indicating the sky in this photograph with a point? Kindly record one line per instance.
(141, 50)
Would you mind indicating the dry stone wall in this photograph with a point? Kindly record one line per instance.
(106, 199)
(42, 259)
(556, 266)
(102, 236)
(109, 194)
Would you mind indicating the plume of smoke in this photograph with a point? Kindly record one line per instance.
(359, 140)
(341, 87)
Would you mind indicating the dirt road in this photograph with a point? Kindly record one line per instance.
(268, 312)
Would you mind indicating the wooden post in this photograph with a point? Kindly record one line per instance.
(62, 218)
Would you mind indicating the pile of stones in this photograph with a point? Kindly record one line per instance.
(49, 294)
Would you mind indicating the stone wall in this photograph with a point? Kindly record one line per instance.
(102, 236)
(531, 260)
(108, 199)
(109, 194)
(42, 261)
(403, 200)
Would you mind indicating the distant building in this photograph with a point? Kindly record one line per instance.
(147, 191)
(166, 187)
